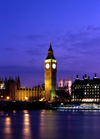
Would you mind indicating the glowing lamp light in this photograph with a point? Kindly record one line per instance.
(42, 99)
(1, 96)
(26, 98)
(7, 97)
(14, 111)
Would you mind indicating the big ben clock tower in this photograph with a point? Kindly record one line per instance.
(50, 68)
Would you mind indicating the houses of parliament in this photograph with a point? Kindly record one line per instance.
(11, 89)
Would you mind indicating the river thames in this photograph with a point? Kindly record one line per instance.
(49, 124)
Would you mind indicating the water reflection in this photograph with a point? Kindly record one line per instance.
(8, 125)
(48, 125)
(45, 124)
(7, 129)
(14, 111)
(26, 124)
(42, 121)
(1, 113)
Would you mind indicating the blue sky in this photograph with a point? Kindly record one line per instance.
(27, 26)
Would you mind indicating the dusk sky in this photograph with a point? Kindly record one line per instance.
(27, 26)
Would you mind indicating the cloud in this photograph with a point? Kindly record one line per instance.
(30, 37)
(89, 27)
(19, 69)
(79, 51)
(33, 52)
(97, 28)
(33, 37)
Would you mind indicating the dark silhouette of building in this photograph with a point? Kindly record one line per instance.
(8, 88)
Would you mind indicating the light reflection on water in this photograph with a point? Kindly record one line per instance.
(42, 121)
(1, 113)
(26, 124)
(7, 129)
(46, 124)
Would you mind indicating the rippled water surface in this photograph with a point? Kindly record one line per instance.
(48, 124)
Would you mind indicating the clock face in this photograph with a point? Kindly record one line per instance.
(47, 66)
(53, 66)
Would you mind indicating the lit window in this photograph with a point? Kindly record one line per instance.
(84, 93)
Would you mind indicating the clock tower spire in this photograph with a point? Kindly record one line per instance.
(50, 69)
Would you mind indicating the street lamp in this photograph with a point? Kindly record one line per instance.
(26, 98)
(1, 97)
(7, 97)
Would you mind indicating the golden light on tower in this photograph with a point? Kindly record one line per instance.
(50, 68)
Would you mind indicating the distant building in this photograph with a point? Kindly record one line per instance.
(86, 90)
(2, 84)
(8, 88)
(65, 84)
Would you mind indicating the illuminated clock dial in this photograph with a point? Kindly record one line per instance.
(47, 66)
(53, 66)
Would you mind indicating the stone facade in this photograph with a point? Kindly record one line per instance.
(30, 93)
(12, 91)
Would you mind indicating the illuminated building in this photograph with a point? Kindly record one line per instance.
(86, 90)
(65, 84)
(50, 69)
(35, 93)
(10, 89)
